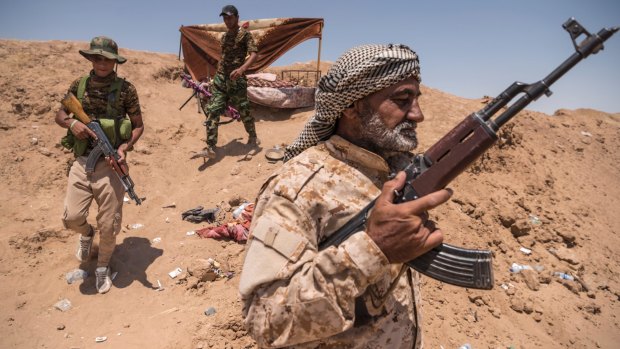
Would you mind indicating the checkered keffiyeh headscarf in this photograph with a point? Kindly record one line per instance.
(358, 73)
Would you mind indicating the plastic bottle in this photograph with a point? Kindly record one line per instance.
(564, 276)
(534, 220)
(465, 346)
(516, 268)
(76, 275)
(237, 212)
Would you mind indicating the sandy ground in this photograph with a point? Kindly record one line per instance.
(550, 185)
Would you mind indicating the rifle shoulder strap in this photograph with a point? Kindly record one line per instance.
(82, 87)
(113, 108)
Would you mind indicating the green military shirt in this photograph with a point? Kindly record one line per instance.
(236, 45)
(95, 103)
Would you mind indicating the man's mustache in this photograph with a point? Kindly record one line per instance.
(407, 125)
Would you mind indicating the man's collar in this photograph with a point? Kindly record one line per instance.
(348, 151)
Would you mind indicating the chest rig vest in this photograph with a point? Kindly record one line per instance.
(116, 126)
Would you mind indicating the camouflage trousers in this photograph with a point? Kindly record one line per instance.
(227, 92)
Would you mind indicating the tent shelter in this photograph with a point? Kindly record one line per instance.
(274, 37)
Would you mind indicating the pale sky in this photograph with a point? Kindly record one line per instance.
(466, 48)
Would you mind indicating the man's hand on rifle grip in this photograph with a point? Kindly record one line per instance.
(121, 163)
(81, 131)
(403, 231)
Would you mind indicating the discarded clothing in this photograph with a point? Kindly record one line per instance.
(198, 214)
(237, 229)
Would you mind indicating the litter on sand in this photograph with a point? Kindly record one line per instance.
(63, 305)
(159, 286)
(176, 272)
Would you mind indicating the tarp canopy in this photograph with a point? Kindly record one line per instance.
(273, 37)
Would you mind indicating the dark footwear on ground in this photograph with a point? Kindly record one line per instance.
(210, 151)
(253, 140)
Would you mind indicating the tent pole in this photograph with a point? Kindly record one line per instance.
(180, 40)
(318, 62)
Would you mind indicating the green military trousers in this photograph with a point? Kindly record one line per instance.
(227, 92)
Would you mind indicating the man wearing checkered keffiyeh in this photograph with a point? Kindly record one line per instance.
(357, 73)
(359, 294)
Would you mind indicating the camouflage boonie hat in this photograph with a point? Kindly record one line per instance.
(104, 46)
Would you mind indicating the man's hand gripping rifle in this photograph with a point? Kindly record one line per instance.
(458, 149)
(200, 89)
(102, 146)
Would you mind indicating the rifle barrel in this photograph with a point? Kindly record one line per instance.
(591, 45)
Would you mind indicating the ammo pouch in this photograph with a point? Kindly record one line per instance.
(116, 128)
(115, 135)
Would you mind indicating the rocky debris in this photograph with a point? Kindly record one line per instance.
(203, 271)
(520, 227)
(564, 254)
(530, 277)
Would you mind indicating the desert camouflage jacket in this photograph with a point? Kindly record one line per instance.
(295, 296)
(235, 48)
(95, 100)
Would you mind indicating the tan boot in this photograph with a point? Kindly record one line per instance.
(84, 245)
(103, 279)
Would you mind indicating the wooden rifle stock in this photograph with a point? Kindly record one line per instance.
(74, 106)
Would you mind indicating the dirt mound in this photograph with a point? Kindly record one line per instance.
(546, 196)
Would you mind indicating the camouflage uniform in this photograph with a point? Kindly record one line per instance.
(102, 185)
(235, 47)
(95, 100)
(340, 297)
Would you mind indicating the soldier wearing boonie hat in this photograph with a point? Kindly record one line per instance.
(103, 46)
(113, 101)
(359, 294)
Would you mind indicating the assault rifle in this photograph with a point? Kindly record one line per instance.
(458, 149)
(230, 111)
(102, 146)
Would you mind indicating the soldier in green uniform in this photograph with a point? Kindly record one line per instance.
(114, 102)
(230, 85)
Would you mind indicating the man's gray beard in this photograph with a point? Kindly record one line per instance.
(378, 138)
